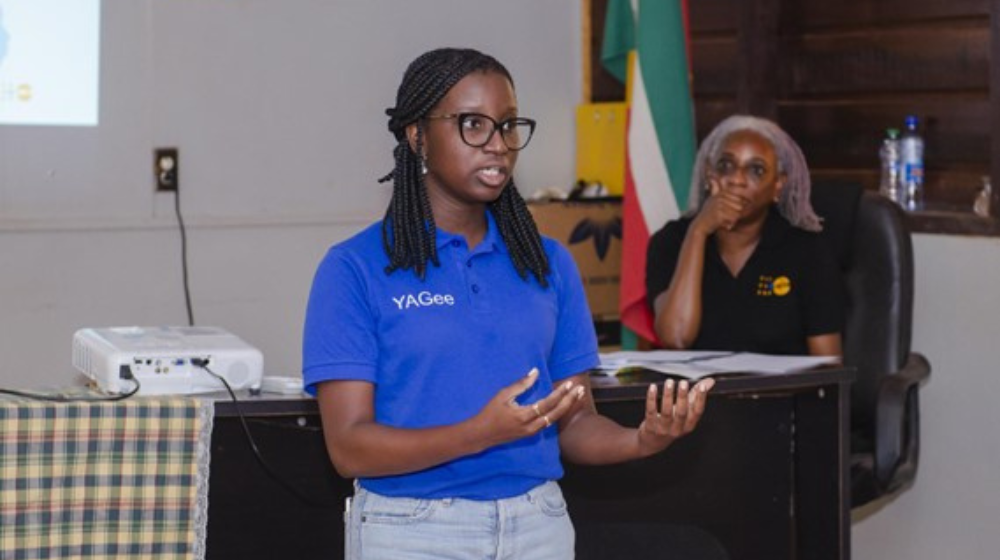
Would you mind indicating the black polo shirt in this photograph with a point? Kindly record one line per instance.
(789, 289)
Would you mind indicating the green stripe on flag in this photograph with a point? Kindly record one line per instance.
(661, 45)
(619, 38)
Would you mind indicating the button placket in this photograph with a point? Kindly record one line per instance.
(474, 285)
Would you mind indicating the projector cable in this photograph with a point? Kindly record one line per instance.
(184, 257)
(203, 364)
(124, 371)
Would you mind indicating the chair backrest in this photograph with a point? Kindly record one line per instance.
(869, 234)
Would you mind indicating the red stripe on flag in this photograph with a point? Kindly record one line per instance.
(635, 313)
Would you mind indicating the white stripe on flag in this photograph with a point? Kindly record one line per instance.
(653, 189)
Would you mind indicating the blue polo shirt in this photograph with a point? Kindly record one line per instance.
(438, 350)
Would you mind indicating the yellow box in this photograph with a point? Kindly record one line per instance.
(600, 144)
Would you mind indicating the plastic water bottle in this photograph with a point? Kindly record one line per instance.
(891, 157)
(912, 151)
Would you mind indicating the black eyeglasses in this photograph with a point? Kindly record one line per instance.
(477, 130)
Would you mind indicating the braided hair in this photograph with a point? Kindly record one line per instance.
(408, 230)
(793, 203)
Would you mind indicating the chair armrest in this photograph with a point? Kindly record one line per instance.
(897, 437)
(916, 370)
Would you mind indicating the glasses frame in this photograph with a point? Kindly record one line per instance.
(459, 117)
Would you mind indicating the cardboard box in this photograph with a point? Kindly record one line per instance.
(592, 231)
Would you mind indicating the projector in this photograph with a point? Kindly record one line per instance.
(164, 360)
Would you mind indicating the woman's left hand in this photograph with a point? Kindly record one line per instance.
(672, 416)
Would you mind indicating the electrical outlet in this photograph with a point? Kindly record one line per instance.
(166, 167)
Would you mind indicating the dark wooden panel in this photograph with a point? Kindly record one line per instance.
(836, 74)
(637, 491)
(603, 86)
(946, 190)
(853, 13)
(954, 189)
(953, 223)
(709, 111)
(759, 59)
(714, 63)
(847, 135)
(904, 60)
(713, 16)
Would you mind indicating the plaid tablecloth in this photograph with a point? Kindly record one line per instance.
(123, 480)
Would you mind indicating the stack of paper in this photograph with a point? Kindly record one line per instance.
(699, 363)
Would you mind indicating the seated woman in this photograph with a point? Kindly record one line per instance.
(745, 269)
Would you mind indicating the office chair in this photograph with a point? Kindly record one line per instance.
(869, 235)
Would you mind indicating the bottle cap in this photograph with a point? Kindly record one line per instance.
(892, 133)
(911, 121)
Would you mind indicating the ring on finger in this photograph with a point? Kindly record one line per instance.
(538, 412)
(547, 421)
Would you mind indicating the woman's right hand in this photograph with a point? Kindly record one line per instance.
(503, 419)
(722, 210)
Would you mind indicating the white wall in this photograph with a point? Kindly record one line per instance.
(953, 509)
(278, 111)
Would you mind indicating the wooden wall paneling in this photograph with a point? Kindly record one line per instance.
(857, 67)
(847, 134)
(603, 86)
(836, 74)
(709, 111)
(715, 66)
(953, 223)
(954, 190)
(855, 13)
(885, 61)
(845, 138)
(715, 61)
(759, 57)
(714, 16)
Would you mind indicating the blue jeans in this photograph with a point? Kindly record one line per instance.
(532, 526)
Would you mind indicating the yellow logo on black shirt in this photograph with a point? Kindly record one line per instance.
(770, 286)
(782, 285)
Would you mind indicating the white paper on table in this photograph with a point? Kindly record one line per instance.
(750, 362)
(635, 358)
(697, 364)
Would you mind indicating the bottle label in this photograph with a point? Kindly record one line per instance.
(913, 173)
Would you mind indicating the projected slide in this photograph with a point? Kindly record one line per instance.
(49, 55)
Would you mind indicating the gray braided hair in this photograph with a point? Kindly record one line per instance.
(794, 202)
